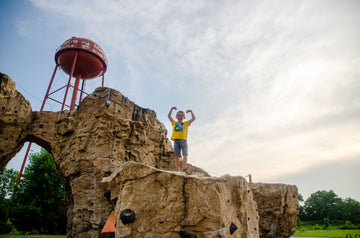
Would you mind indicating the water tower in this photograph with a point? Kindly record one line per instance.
(81, 59)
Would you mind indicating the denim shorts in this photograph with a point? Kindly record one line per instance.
(180, 146)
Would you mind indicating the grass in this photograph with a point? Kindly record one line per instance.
(7, 235)
(328, 233)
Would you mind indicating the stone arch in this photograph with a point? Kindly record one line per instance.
(87, 145)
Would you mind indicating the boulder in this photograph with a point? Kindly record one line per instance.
(167, 203)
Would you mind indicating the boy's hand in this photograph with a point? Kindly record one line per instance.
(169, 115)
(192, 116)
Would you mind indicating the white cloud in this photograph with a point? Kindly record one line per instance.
(271, 83)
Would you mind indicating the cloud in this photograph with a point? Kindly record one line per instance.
(273, 113)
(274, 85)
(341, 176)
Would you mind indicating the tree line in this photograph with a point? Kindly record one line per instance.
(327, 205)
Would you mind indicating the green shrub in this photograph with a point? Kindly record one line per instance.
(349, 226)
(326, 224)
(26, 218)
(5, 228)
(317, 227)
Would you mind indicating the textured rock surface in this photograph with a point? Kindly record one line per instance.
(15, 114)
(277, 206)
(92, 148)
(167, 203)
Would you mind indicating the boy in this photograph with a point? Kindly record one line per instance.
(179, 136)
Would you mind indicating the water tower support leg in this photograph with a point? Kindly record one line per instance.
(76, 88)
(69, 82)
(48, 90)
(82, 90)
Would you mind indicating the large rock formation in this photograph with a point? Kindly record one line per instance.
(277, 206)
(173, 203)
(123, 148)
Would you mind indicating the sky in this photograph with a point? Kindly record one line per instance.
(274, 85)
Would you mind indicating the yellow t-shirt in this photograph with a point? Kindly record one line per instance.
(180, 130)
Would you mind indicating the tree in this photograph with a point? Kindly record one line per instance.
(38, 203)
(351, 210)
(323, 204)
(7, 184)
(300, 198)
(300, 207)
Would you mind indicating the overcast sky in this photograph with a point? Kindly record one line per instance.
(274, 85)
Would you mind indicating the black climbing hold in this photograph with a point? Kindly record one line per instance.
(185, 234)
(115, 200)
(127, 216)
(107, 194)
(233, 228)
(161, 222)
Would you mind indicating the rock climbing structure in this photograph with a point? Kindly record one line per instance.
(117, 158)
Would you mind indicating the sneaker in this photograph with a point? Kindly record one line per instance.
(184, 170)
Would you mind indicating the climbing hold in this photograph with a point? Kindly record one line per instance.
(107, 103)
(110, 224)
(127, 216)
(107, 194)
(115, 201)
(185, 234)
(233, 228)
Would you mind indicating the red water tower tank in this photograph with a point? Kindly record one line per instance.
(89, 58)
(83, 59)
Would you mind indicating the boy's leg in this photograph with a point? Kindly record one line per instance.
(184, 162)
(177, 163)
(184, 148)
(177, 154)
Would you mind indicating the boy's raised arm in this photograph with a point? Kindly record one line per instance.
(192, 116)
(169, 115)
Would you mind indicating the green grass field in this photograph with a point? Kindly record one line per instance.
(329, 233)
(31, 236)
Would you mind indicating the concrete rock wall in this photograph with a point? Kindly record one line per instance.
(168, 203)
(124, 148)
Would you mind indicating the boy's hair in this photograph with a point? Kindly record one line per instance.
(180, 112)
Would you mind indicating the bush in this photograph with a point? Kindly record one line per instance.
(5, 228)
(26, 218)
(349, 226)
(317, 227)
